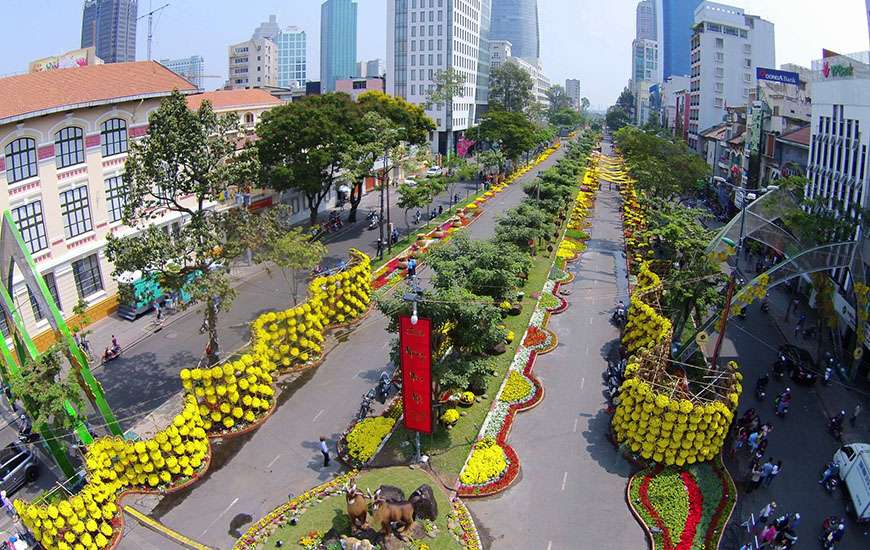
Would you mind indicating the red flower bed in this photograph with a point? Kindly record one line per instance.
(535, 337)
(696, 505)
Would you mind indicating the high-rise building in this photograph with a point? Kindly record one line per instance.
(868, 15)
(292, 51)
(646, 20)
(727, 46)
(337, 42)
(253, 64)
(517, 22)
(481, 94)
(370, 69)
(110, 27)
(572, 89)
(192, 68)
(423, 41)
(674, 21)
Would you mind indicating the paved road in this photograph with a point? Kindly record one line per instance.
(254, 473)
(571, 493)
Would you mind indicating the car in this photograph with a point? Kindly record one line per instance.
(434, 171)
(801, 365)
(18, 467)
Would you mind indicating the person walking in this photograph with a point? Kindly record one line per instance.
(324, 450)
(767, 470)
(855, 412)
(158, 312)
(800, 324)
(412, 268)
(777, 468)
(7, 505)
(765, 513)
(755, 479)
(767, 534)
(380, 249)
(754, 440)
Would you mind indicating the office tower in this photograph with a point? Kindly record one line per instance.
(425, 39)
(192, 68)
(292, 51)
(674, 21)
(481, 95)
(110, 26)
(517, 22)
(727, 46)
(370, 69)
(253, 64)
(646, 20)
(572, 88)
(337, 42)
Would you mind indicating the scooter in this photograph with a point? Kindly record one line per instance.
(761, 388)
(374, 222)
(779, 366)
(835, 425)
(111, 354)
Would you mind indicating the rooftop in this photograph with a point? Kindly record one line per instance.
(37, 94)
(800, 136)
(226, 100)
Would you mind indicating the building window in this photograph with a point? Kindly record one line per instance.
(76, 211)
(87, 275)
(69, 145)
(116, 197)
(21, 160)
(52, 289)
(31, 225)
(113, 136)
(720, 43)
(249, 118)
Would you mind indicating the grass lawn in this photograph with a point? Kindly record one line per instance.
(448, 449)
(332, 512)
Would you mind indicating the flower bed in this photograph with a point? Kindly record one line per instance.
(466, 531)
(366, 437)
(517, 388)
(682, 508)
(487, 463)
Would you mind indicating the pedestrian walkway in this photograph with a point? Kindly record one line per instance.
(572, 486)
(254, 473)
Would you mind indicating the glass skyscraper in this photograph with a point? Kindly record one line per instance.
(110, 26)
(192, 68)
(517, 22)
(337, 42)
(675, 21)
(292, 72)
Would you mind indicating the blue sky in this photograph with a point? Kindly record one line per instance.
(585, 39)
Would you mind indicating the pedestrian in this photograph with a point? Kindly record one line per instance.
(855, 412)
(417, 216)
(830, 470)
(324, 450)
(767, 534)
(755, 479)
(762, 448)
(777, 468)
(766, 512)
(800, 324)
(782, 522)
(380, 246)
(766, 470)
(795, 521)
(7, 505)
(158, 311)
(394, 234)
(753, 440)
(412, 268)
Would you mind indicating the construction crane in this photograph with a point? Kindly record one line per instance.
(150, 16)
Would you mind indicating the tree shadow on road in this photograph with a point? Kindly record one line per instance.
(601, 448)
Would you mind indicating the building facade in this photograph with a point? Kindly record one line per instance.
(253, 64)
(192, 68)
(572, 89)
(502, 52)
(338, 21)
(110, 27)
(674, 22)
(425, 39)
(63, 143)
(517, 22)
(292, 52)
(727, 47)
(646, 20)
(370, 69)
(481, 95)
(356, 86)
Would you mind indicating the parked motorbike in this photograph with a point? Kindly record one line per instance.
(761, 387)
(835, 424)
(374, 222)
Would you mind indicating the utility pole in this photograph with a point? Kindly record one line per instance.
(150, 16)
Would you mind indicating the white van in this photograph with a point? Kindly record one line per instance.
(854, 463)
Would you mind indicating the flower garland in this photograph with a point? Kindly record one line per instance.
(467, 535)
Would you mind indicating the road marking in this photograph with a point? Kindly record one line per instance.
(215, 520)
(582, 382)
(158, 527)
(274, 460)
(576, 421)
(590, 320)
(549, 545)
(564, 480)
(316, 416)
(587, 349)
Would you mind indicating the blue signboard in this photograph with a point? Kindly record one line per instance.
(773, 75)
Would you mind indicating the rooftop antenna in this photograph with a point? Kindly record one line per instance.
(150, 16)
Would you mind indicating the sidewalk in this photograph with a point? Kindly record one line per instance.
(573, 479)
(800, 440)
(252, 474)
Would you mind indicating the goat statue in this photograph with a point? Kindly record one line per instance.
(386, 513)
(357, 506)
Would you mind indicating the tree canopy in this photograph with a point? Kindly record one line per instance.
(510, 88)
(511, 131)
(662, 168)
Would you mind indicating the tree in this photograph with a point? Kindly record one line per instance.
(565, 118)
(418, 195)
(662, 168)
(301, 145)
(187, 160)
(447, 84)
(492, 160)
(617, 118)
(512, 131)
(292, 252)
(376, 137)
(558, 99)
(522, 226)
(584, 104)
(486, 268)
(510, 88)
(44, 390)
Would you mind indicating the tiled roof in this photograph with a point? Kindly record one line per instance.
(801, 136)
(228, 99)
(35, 94)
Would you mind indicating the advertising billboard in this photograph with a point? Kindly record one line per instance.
(773, 75)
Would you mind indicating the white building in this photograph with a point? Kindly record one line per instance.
(501, 53)
(727, 46)
(253, 64)
(645, 61)
(572, 89)
(673, 89)
(370, 69)
(424, 39)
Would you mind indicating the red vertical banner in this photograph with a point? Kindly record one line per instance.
(416, 357)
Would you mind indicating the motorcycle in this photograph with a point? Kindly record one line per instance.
(374, 222)
(779, 366)
(835, 425)
(365, 407)
(761, 388)
(112, 353)
(765, 306)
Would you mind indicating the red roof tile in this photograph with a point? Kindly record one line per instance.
(34, 94)
(801, 136)
(227, 99)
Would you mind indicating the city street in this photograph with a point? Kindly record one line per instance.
(252, 474)
(573, 480)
